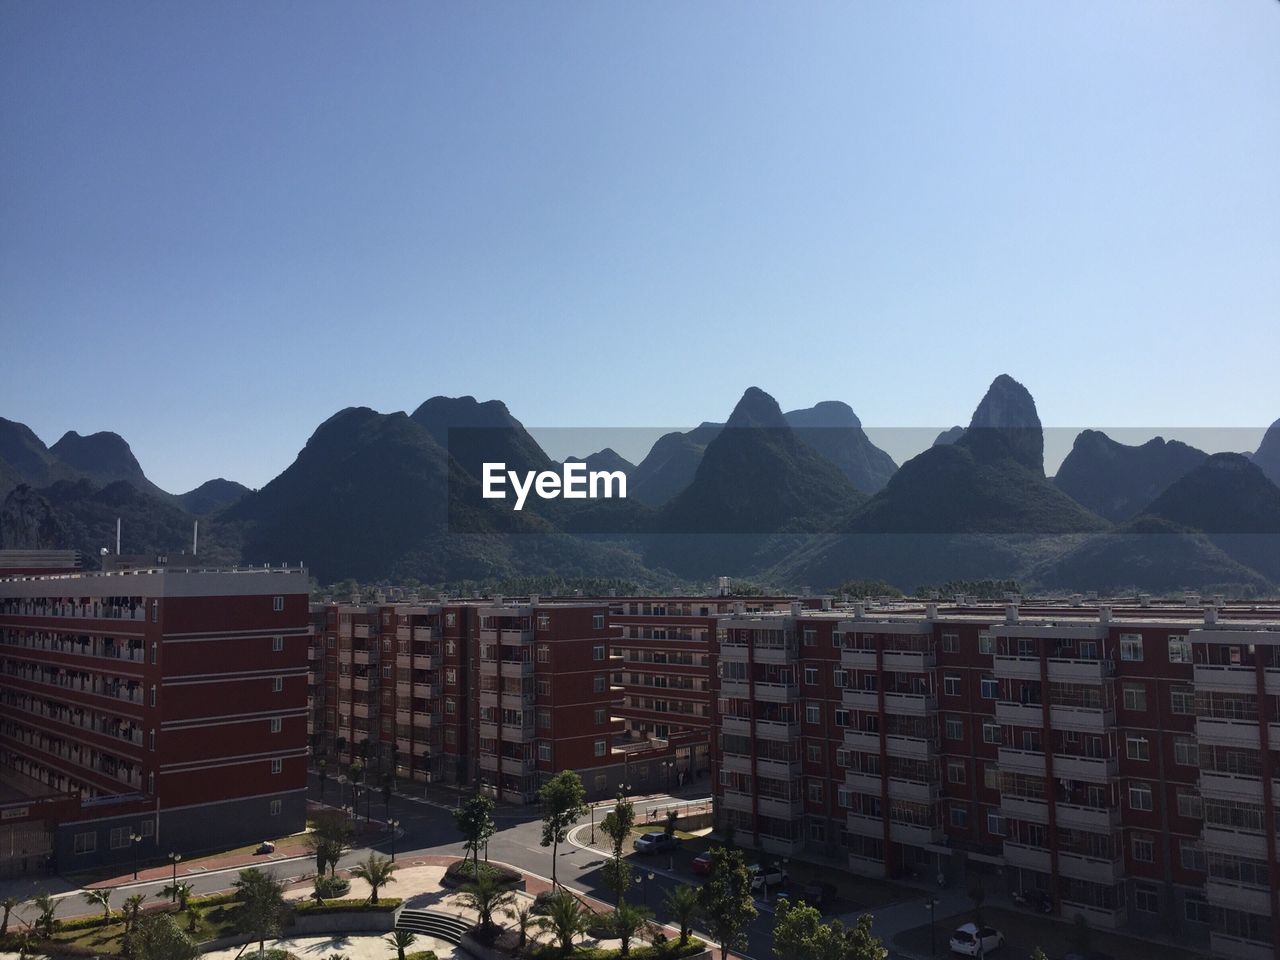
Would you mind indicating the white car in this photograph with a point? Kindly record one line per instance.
(970, 941)
(762, 879)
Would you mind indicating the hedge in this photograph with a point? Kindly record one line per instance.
(384, 904)
(670, 950)
(462, 871)
(421, 955)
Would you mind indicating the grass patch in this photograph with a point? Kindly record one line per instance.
(668, 950)
(384, 905)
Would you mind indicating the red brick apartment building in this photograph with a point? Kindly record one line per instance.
(498, 693)
(163, 704)
(1123, 760)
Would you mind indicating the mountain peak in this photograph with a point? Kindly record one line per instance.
(1006, 425)
(757, 409)
(1267, 456)
(103, 456)
(825, 413)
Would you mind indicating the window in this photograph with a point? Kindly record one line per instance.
(1192, 855)
(986, 643)
(544, 653)
(544, 719)
(1190, 805)
(1182, 701)
(147, 828)
(1185, 752)
(85, 842)
(959, 815)
(1135, 697)
(810, 676)
(119, 838)
(543, 687)
(1196, 909)
(955, 771)
(277, 604)
(600, 715)
(810, 638)
(277, 765)
(154, 651)
(153, 740)
(951, 684)
(814, 790)
(277, 644)
(950, 642)
(597, 621)
(451, 675)
(991, 776)
(812, 713)
(1131, 646)
(597, 652)
(839, 678)
(601, 781)
(817, 831)
(544, 751)
(277, 684)
(813, 752)
(842, 717)
(954, 728)
(1144, 850)
(1140, 796)
(842, 798)
(451, 619)
(275, 808)
(990, 732)
(153, 694)
(598, 683)
(600, 748)
(995, 824)
(155, 611)
(1137, 748)
(275, 724)
(1179, 648)
(1146, 898)
(990, 688)
(544, 621)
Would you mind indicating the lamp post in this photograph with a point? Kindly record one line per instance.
(929, 906)
(173, 859)
(392, 824)
(135, 838)
(593, 823)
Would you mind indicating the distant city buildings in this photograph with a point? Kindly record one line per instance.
(149, 712)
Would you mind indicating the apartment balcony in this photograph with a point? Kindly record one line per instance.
(784, 809)
(734, 651)
(859, 782)
(861, 740)
(404, 633)
(778, 729)
(864, 825)
(425, 690)
(771, 654)
(915, 748)
(314, 653)
(914, 835)
(1016, 668)
(854, 699)
(510, 668)
(517, 733)
(1019, 714)
(777, 692)
(736, 800)
(909, 661)
(736, 689)
(361, 630)
(910, 704)
(509, 635)
(736, 725)
(1272, 682)
(920, 791)
(1089, 769)
(1101, 918)
(1230, 786)
(1074, 670)
(360, 657)
(735, 763)
(1225, 678)
(405, 689)
(1092, 869)
(1238, 948)
(1239, 843)
(1022, 761)
(404, 745)
(858, 659)
(779, 847)
(1224, 732)
(403, 715)
(1028, 858)
(1092, 819)
(1024, 808)
(360, 684)
(1085, 719)
(778, 769)
(360, 710)
(488, 730)
(1237, 896)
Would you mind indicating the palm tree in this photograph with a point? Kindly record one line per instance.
(682, 904)
(8, 903)
(132, 908)
(262, 906)
(100, 898)
(486, 896)
(625, 922)
(180, 891)
(376, 872)
(523, 916)
(46, 923)
(401, 940)
(566, 919)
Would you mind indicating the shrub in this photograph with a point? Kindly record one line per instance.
(384, 905)
(670, 950)
(463, 871)
(331, 888)
(421, 955)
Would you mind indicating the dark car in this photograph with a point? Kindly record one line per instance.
(702, 863)
(819, 894)
(656, 842)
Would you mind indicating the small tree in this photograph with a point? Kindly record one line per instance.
(978, 894)
(180, 891)
(328, 840)
(475, 822)
(861, 945)
(262, 906)
(617, 825)
(524, 918)
(486, 896)
(8, 903)
(100, 898)
(726, 900)
(132, 909)
(669, 828)
(1038, 954)
(376, 872)
(800, 934)
(46, 923)
(565, 920)
(402, 940)
(160, 938)
(563, 799)
(625, 922)
(682, 904)
(194, 914)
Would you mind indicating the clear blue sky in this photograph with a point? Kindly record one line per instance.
(222, 222)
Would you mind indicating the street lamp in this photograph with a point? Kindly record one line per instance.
(929, 906)
(392, 824)
(174, 858)
(135, 838)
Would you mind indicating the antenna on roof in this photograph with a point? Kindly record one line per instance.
(117, 536)
(195, 536)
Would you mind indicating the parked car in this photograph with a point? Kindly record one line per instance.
(970, 941)
(702, 863)
(762, 878)
(819, 894)
(266, 846)
(656, 842)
